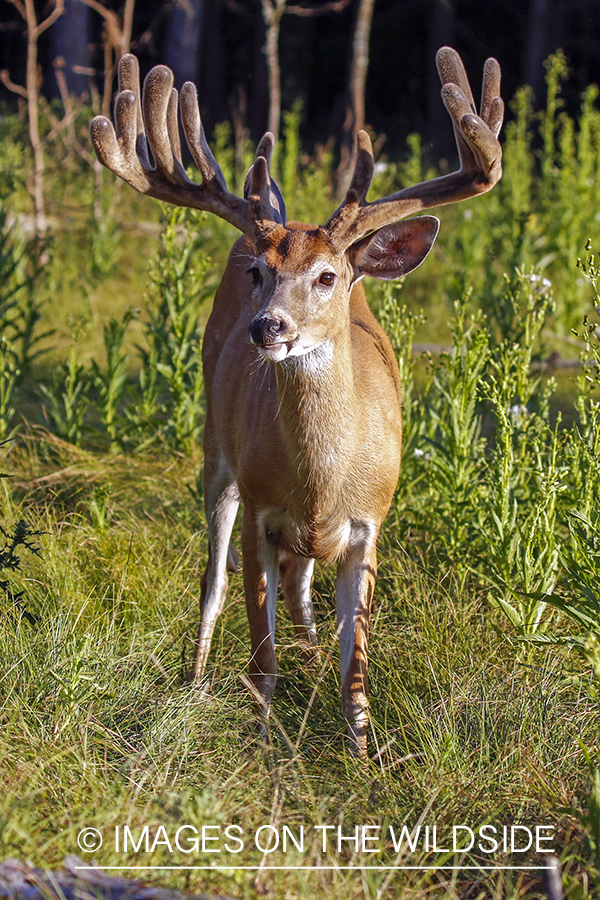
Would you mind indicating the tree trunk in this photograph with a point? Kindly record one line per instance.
(212, 68)
(357, 79)
(273, 10)
(70, 39)
(31, 81)
(439, 136)
(259, 86)
(536, 48)
(31, 93)
(184, 39)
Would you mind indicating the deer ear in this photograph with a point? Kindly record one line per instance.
(395, 250)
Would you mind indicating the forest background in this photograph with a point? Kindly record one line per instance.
(220, 46)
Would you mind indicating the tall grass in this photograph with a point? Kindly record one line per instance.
(99, 729)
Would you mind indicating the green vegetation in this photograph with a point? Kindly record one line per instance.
(485, 647)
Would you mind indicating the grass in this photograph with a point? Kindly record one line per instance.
(99, 728)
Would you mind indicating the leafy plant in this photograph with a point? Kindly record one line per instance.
(67, 398)
(107, 246)
(9, 376)
(171, 359)
(111, 385)
(20, 536)
(451, 444)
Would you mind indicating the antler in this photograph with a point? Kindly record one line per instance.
(153, 122)
(478, 149)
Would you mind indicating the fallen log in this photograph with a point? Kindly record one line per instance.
(19, 881)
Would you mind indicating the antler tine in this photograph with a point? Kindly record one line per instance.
(265, 199)
(364, 167)
(126, 125)
(455, 90)
(173, 125)
(496, 116)
(118, 154)
(259, 195)
(344, 218)
(156, 99)
(479, 152)
(452, 71)
(492, 105)
(265, 147)
(490, 87)
(257, 187)
(128, 77)
(196, 139)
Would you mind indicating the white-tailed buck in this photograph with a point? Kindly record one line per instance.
(303, 393)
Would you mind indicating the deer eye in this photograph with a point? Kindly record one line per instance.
(327, 278)
(255, 272)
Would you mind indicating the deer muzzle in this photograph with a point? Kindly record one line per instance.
(271, 332)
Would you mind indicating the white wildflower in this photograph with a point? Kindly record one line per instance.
(518, 412)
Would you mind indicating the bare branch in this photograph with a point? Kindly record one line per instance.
(15, 88)
(333, 6)
(355, 104)
(114, 31)
(51, 19)
(20, 7)
(85, 70)
(273, 11)
(71, 110)
(127, 26)
(116, 40)
(31, 93)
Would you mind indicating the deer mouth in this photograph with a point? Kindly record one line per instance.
(275, 352)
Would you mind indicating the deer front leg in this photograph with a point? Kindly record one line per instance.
(221, 500)
(260, 555)
(355, 584)
(296, 575)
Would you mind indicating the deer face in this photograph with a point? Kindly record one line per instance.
(301, 286)
(300, 294)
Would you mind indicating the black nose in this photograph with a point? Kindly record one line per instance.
(264, 330)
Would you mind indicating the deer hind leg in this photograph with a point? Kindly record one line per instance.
(222, 501)
(355, 584)
(260, 554)
(296, 576)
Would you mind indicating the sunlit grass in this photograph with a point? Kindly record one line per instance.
(99, 728)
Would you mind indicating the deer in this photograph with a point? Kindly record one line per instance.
(303, 395)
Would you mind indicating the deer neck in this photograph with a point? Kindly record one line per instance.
(318, 412)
